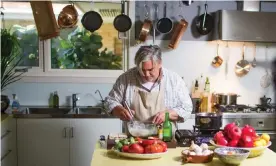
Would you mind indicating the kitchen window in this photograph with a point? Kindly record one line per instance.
(76, 53)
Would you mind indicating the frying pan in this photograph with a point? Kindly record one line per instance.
(243, 66)
(165, 24)
(92, 21)
(205, 22)
(146, 26)
(122, 22)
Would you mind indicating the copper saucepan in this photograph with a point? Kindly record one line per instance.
(178, 33)
(68, 17)
(217, 61)
(146, 26)
(243, 66)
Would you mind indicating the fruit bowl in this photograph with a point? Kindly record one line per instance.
(254, 151)
(231, 155)
(144, 156)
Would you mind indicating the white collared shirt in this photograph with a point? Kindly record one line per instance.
(176, 94)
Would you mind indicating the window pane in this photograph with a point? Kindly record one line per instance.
(18, 17)
(77, 48)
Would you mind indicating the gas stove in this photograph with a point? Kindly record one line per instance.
(241, 108)
(184, 137)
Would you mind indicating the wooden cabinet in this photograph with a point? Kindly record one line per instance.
(8, 142)
(61, 142)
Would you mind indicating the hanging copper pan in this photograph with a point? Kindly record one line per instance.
(178, 33)
(68, 17)
(146, 26)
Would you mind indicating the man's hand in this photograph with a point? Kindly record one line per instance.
(122, 113)
(160, 117)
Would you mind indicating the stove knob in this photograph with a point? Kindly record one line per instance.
(268, 110)
(258, 110)
(272, 110)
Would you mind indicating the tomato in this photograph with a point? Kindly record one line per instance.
(125, 148)
(154, 148)
(136, 148)
(147, 142)
(164, 145)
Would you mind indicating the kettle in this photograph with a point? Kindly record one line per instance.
(264, 100)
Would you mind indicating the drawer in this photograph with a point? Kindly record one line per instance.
(8, 158)
(8, 141)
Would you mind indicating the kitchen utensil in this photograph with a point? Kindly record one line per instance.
(165, 24)
(226, 60)
(243, 66)
(45, 20)
(226, 99)
(217, 61)
(146, 26)
(68, 17)
(126, 105)
(122, 22)
(208, 121)
(178, 31)
(254, 151)
(232, 159)
(155, 18)
(92, 20)
(205, 22)
(264, 100)
(266, 80)
(254, 62)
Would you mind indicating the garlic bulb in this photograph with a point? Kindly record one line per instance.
(206, 152)
(186, 151)
(192, 153)
(193, 146)
(204, 146)
(198, 150)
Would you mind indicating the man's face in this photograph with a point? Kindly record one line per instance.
(150, 71)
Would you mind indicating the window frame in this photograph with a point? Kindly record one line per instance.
(44, 72)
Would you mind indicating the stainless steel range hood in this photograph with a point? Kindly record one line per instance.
(246, 25)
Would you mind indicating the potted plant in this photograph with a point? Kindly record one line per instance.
(10, 58)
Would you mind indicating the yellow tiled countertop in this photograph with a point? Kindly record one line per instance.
(103, 157)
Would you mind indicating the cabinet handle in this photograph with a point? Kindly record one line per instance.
(6, 154)
(5, 134)
(72, 132)
(64, 132)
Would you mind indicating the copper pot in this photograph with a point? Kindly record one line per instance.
(68, 17)
(146, 26)
(178, 33)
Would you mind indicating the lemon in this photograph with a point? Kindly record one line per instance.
(258, 143)
(266, 137)
(263, 142)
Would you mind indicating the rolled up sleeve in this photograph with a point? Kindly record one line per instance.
(115, 96)
(183, 101)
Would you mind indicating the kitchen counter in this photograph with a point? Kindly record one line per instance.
(103, 157)
(63, 116)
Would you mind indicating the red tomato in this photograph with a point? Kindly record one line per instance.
(125, 148)
(164, 145)
(147, 142)
(154, 148)
(135, 148)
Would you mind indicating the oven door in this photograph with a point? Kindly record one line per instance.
(272, 135)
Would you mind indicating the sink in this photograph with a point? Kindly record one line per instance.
(48, 110)
(91, 110)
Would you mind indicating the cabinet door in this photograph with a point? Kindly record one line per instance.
(85, 134)
(43, 142)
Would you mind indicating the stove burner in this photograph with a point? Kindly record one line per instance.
(268, 108)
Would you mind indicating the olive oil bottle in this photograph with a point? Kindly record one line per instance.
(167, 128)
(56, 100)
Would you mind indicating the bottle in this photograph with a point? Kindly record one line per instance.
(196, 92)
(56, 100)
(160, 132)
(205, 97)
(167, 128)
(15, 103)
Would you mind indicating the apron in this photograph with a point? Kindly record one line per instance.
(147, 104)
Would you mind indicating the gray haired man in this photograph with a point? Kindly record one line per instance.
(150, 90)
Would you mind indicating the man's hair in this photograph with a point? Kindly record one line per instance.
(146, 53)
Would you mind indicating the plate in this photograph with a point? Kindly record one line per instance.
(140, 156)
(254, 151)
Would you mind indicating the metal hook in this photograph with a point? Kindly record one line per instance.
(147, 10)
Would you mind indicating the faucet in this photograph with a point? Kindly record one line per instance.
(103, 102)
(74, 100)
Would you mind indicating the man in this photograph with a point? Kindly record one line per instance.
(150, 90)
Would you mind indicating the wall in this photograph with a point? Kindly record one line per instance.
(190, 60)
